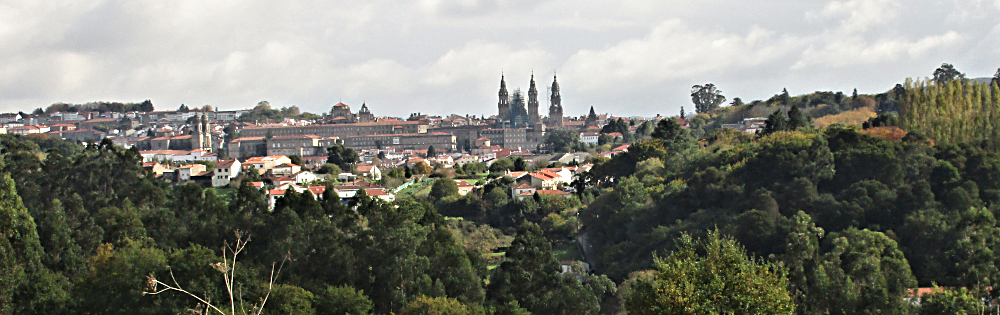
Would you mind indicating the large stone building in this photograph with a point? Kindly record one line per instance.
(511, 108)
(515, 138)
(199, 136)
(339, 130)
(341, 114)
(301, 145)
(441, 141)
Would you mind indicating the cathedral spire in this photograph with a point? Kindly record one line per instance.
(503, 106)
(532, 102)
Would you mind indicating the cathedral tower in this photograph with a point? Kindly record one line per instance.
(532, 102)
(504, 104)
(555, 105)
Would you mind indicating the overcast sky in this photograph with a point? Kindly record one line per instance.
(634, 57)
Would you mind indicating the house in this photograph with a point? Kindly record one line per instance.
(466, 159)
(589, 137)
(273, 195)
(617, 150)
(522, 190)
(464, 188)
(285, 169)
(203, 178)
(303, 177)
(380, 193)
(565, 175)
(346, 177)
(369, 171)
(560, 193)
(283, 180)
(266, 162)
(184, 172)
(225, 171)
(9, 117)
(156, 168)
(541, 180)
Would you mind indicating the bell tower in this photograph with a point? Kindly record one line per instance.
(555, 105)
(504, 104)
(532, 102)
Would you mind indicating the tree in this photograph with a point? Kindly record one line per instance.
(947, 73)
(443, 187)
(20, 250)
(671, 131)
(421, 168)
(560, 140)
(706, 97)
(342, 300)
(996, 78)
(520, 164)
(431, 152)
(295, 159)
(775, 122)
(723, 280)
(948, 301)
(501, 165)
(796, 119)
(530, 277)
(228, 269)
(341, 156)
(736, 102)
(682, 112)
(329, 168)
(424, 305)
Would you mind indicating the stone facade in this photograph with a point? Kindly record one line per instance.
(380, 127)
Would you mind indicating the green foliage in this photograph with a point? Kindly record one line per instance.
(119, 107)
(438, 306)
(330, 169)
(443, 187)
(706, 97)
(342, 156)
(561, 140)
(342, 300)
(955, 111)
(530, 277)
(947, 73)
(723, 280)
(957, 301)
(263, 113)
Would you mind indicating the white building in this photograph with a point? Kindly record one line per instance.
(225, 171)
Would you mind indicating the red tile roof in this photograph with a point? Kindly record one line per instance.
(552, 192)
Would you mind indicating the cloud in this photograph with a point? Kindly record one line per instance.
(856, 51)
(442, 56)
(858, 15)
(675, 50)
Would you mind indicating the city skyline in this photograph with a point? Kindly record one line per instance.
(442, 57)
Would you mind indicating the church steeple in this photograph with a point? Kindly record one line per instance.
(555, 105)
(504, 104)
(532, 102)
(591, 118)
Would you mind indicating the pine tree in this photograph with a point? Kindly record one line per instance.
(796, 119)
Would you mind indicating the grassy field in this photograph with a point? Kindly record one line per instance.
(853, 117)
(421, 189)
(567, 251)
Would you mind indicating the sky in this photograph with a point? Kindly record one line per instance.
(627, 58)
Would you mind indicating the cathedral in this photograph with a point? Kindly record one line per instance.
(513, 114)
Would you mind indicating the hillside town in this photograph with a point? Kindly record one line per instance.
(220, 148)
